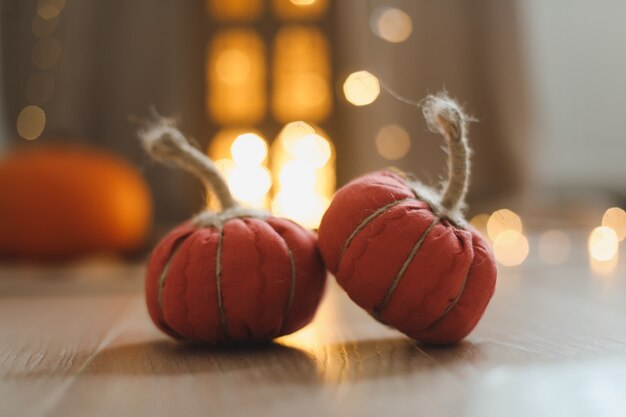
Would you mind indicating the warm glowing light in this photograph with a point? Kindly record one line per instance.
(554, 247)
(361, 88)
(304, 173)
(479, 222)
(501, 221)
(293, 131)
(309, 90)
(249, 149)
(235, 10)
(302, 2)
(299, 9)
(31, 122)
(49, 9)
(313, 149)
(236, 77)
(301, 74)
(220, 146)
(615, 218)
(233, 66)
(510, 248)
(604, 267)
(241, 156)
(391, 24)
(305, 208)
(249, 184)
(296, 175)
(46, 53)
(224, 165)
(393, 142)
(603, 243)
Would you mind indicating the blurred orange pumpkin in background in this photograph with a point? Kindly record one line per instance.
(63, 202)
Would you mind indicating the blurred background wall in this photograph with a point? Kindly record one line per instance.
(576, 61)
(544, 79)
(94, 65)
(472, 49)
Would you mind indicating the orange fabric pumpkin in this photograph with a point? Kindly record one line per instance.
(229, 277)
(61, 202)
(404, 253)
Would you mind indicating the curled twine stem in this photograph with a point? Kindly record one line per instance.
(165, 143)
(444, 116)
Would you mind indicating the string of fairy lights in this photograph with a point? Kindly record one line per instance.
(295, 174)
(45, 54)
(503, 228)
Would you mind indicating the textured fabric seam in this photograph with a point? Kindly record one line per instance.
(396, 281)
(218, 283)
(369, 219)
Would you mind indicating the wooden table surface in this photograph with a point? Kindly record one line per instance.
(77, 341)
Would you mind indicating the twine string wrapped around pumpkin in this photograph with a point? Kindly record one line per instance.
(165, 143)
(403, 251)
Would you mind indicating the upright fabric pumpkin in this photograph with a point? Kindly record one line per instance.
(236, 276)
(404, 253)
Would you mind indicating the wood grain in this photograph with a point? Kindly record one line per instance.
(77, 341)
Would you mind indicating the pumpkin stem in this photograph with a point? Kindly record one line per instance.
(444, 116)
(164, 142)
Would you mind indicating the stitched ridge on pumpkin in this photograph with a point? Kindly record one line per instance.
(218, 282)
(292, 287)
(455, 301)
(369, 219)
(262, 261)
(355, 260)
(452, 305)
(396, 281)
(163, 278)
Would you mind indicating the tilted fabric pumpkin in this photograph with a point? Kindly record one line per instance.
(63, 201)
(404, 253)
(231, 277)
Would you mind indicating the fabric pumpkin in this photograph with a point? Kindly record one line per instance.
(404, 253)
(60, 202)
(237, 276)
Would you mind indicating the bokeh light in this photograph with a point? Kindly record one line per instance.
(615, 218)
(31, 122)
(479, 222)
(312, 149)
(303, 207)
(249, 149)
(603, 243)
(233, 66)
(361, 88)
(393, 142)
(249, 183)
(304, 173)
(391, 24)
(501, 221)
(49, 9)
(510, 248)
(554, 247)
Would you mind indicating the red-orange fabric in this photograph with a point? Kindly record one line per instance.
(445, 287)
(256, 281)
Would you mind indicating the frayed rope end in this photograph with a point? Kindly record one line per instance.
(161, 139)
(444, 115)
